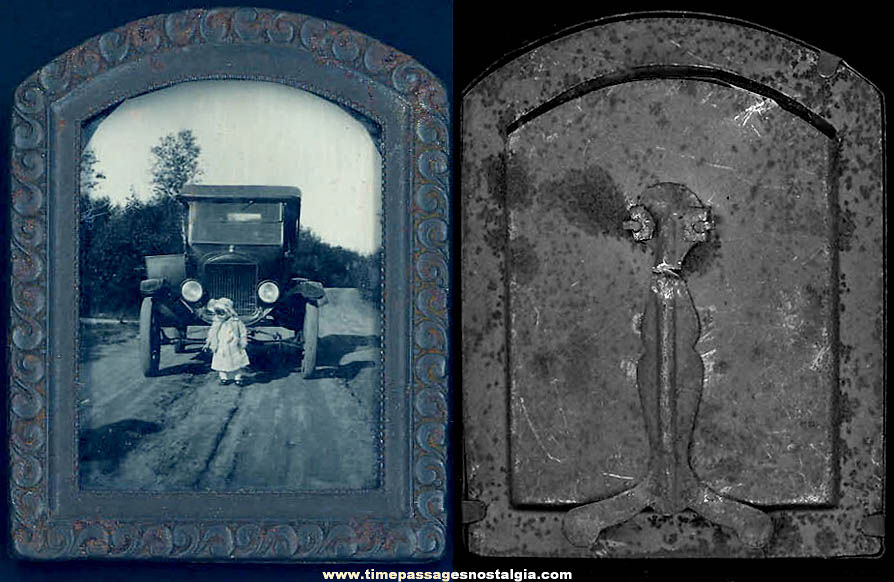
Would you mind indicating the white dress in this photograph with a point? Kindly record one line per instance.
(227, 340)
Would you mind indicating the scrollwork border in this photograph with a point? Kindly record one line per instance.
(35, 532)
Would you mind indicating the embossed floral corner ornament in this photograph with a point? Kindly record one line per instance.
(405, 518)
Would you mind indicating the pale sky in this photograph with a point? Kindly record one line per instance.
(253, 132)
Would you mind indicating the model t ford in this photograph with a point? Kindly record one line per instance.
(238, 243)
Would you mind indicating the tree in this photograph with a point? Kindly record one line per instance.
(176, 162)
(91, 206)
(335, 266)
(95, 212)
(89, 176)
(114, 239)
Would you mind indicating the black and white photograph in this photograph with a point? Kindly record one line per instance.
(231, 288)
(229, 298)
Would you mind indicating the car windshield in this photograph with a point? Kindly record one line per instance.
(246, 223)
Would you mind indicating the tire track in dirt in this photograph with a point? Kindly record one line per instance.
(281, 432)
(217, 441)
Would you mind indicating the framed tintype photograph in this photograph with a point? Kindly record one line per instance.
(230, 272)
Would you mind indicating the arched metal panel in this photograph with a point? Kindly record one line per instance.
(673, 296)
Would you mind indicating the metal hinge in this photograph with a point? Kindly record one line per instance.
(472, 510)
(873, 525)
(827, 64)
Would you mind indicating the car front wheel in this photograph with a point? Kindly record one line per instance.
(311, 331)
(150, 338)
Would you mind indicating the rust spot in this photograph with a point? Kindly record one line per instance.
(846, 228)
(689, 87)
(787, 535)
(518, 183)
(492, 169)
(492, 215)
(703, 256)
(542, 365)
(495, 239)
(156, 64)
(523, 260)
(826, 540)
(847, 407)
(570, 360)
(590, 200)
(571, 79)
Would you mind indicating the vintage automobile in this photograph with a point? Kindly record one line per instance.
(239, 242)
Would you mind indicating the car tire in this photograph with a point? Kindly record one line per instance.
(150, 338)
(310, 332)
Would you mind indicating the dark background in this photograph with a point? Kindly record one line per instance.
(457, 41)
(484, 36)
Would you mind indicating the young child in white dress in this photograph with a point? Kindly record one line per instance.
(227, 339)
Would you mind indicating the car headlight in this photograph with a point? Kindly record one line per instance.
(191, 290)
(268, 291)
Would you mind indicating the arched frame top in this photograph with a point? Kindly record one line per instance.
(402, 520)
(770, 63)
(638, 73)
(817, 87)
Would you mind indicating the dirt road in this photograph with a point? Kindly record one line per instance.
(182, 430)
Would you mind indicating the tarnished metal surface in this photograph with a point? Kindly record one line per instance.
(669, 376)
(763, 286)
(560, 148)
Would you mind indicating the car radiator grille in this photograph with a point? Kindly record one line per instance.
(238, 282)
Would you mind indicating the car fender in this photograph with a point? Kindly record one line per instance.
(312, 291)
(158, 289)
(152, 287)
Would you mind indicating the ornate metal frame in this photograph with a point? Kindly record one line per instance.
(403, 520)
(822, 88)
